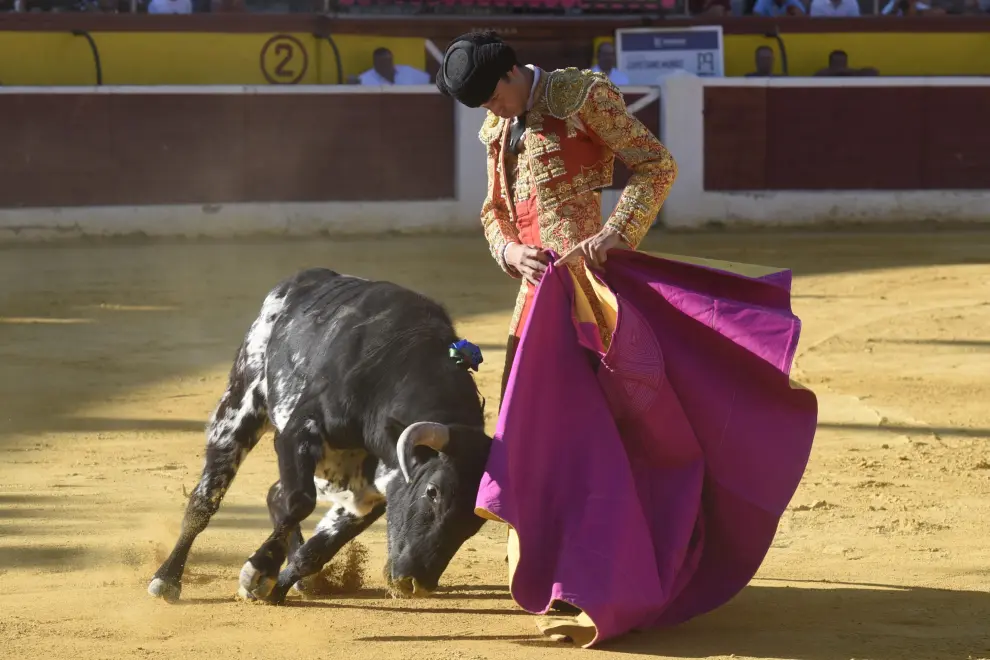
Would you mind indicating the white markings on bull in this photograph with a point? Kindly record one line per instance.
(222, 429)
(358, 498)
(384, 476)
(282, 411)
(340, 481)
(333, 521)
(261, 331)
(252, 584)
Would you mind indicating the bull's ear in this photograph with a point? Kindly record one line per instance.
(394, 428)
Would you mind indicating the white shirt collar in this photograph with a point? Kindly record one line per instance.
(532, 90)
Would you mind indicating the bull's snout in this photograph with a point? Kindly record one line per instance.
(410, 587)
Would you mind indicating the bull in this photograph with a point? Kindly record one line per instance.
(369, 410)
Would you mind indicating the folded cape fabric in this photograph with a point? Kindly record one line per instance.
(644, 485)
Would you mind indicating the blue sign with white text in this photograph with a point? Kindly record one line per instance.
(645, 54)
(680, 40)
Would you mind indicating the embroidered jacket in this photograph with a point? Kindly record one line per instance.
(577, 126)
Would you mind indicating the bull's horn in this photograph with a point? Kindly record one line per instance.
(429, 434)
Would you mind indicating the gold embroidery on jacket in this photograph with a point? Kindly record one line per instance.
(653, 168)
(568, 89)
(491, 129)
(496, 217)
(570, 209)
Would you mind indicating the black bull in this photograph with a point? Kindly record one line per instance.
(368, 410)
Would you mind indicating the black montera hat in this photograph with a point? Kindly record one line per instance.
(472, 66)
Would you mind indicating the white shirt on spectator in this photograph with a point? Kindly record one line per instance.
(892, 7)
(170, 7)
(404, 75)
(616, 76)
(831, 9)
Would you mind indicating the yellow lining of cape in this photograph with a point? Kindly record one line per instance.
(579, 628)
(739, 268)
(608, 304)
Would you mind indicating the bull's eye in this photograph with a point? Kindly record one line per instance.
(432, 492)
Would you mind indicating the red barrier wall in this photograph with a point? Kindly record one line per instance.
(136, 149)
(853, 138)
(209, 148)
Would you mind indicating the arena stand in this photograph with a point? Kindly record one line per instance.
(657, 8)
(232, 154)
(522, 7)
(370, 7)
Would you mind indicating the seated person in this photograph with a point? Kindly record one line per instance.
(385, 71)
(838, 65)
(834, 8)
(773, 8)
(710, 7)
(764, 63)
(606, 63)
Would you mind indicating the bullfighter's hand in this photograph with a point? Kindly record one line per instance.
(594, 249)
(528, 260)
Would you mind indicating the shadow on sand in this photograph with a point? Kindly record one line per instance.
(855, 621)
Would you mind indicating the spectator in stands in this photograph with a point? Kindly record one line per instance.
(605, 61)
(838, 65)
(102, 6)
(385, 71)
(774, 8)
(764, 63)
(834, 8)
(710, 7)
(907, 8)
(170, 7)
(226, 6)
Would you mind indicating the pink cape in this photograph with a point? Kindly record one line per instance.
(645, 486)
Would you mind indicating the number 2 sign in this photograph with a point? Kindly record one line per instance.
(284, 60)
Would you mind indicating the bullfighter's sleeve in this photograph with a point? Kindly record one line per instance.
(495, 217)
(605, 115)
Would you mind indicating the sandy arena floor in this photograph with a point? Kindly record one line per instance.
(112, 356)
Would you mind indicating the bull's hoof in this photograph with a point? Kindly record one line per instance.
(310, 585)
(253, 584)
(278, 595)
(408, 588)
(167, 591)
